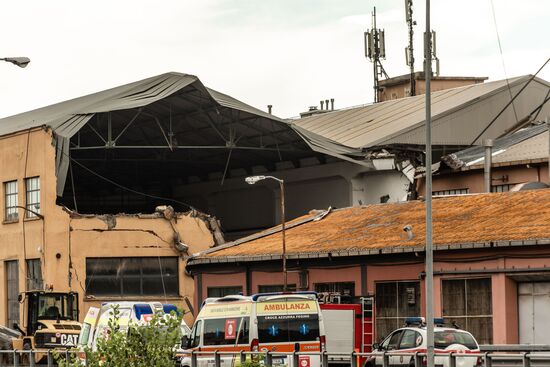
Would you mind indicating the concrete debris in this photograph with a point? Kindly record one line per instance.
(109, 219)
(167, 211)
(215, 227)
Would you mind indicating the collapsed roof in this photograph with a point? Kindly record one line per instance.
(526, 145)
(170, 128)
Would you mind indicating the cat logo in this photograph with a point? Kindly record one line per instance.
(69, 339)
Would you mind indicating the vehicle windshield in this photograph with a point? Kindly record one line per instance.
(442, 339)
(54, 306)
(288, 328)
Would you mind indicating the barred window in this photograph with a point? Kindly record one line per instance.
(342, 288)
(10, 194)
(132, 276)
(468, 303)
(272, 288)
(451, 192)
(34, 274)
(502, 188)
(224, 291)
(33, 196)
(395, 301)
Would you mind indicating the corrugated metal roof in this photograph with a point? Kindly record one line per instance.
(530, 149)
(457, 220)
(67, 117)
(527, 144)
(459, 114)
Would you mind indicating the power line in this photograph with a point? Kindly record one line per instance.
(125, 187)
(502, 57)
(508, 104)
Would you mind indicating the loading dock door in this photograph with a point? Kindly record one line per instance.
(534, 318)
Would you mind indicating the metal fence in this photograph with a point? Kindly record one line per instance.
(504, 357)
(385, 359)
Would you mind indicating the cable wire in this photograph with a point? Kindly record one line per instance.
(502, 57)
(508, 104)
(125, 187)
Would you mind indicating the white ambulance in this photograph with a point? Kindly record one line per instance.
(280, 323)
(96, 322)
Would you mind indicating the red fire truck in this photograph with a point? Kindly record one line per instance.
(349, 327)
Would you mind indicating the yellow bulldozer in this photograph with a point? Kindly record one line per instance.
(49, 321)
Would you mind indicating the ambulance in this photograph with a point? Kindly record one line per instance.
(280, 323)
(96, 322)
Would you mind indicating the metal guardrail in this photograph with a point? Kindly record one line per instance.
(507, 356)
(515, 348)
(32, 358)
(486, 359)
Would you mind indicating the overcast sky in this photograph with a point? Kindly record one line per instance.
(288, 53)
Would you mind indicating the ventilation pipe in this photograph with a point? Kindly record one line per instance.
(332, 104)
(326, 103)
(488, 144)
(269, 107)
(322, 104)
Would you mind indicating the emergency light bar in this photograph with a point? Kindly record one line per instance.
(300, 293)
(421, 321)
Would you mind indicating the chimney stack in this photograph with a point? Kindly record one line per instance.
(322, 104)
(269, 108)
(332, 104)
(326, 103)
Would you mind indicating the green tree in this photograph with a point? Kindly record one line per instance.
(138, 345)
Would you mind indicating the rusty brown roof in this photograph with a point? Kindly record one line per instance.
(484, 220)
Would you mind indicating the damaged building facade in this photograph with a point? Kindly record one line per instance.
(101, 257)
(108, 194)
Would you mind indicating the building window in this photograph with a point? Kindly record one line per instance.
(468, 303)
(272, 288)
(12, 282)
(450, 192)
(34, 274)
(341, 288)
(395, 301)
(502, 188)
(10, 193)
(132, 276)
(32, 185)
(224, 291)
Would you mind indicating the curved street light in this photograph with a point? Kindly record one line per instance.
(251, 180)
(22, 62)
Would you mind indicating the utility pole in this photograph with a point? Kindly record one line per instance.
(375, 50)
(429, 245)
(409, 51)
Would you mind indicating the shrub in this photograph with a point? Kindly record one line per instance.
(139, 345)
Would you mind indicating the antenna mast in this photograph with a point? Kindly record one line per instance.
(409, 51)
(375, 50)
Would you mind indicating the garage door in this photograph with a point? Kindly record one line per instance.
(534, 318)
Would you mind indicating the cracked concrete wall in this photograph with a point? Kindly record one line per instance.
(133, 236)
(29, 154)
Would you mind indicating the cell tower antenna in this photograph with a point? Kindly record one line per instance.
(375, 50)
(409, 50)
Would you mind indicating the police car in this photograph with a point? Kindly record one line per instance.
(412, 338)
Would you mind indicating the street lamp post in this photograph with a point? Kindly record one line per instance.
(22, 62)
(31, 211)
(251, 181)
